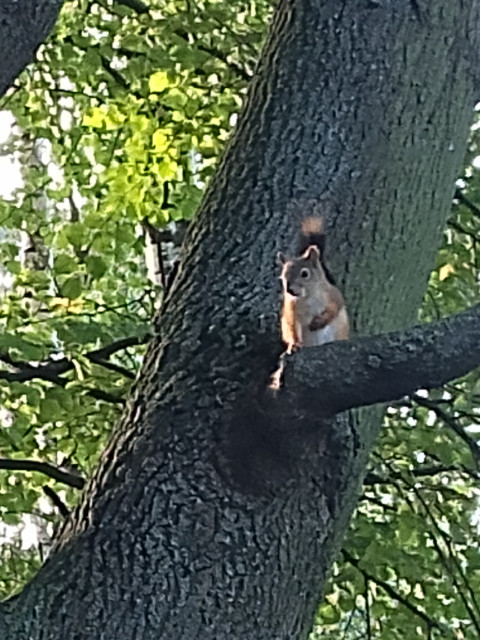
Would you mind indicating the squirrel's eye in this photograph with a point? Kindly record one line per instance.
(304, 273)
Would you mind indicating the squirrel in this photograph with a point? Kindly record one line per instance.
(313, 308)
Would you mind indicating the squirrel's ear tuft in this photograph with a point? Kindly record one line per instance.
(312, 253)
(281, 258)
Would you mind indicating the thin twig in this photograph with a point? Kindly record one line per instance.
(113, 367)
(367, 610)
(421, 472)
(460, 229)
(99, 394)
(57, 501)
(391, 592)
(216, 53)
(433, 520)
(116, 75)
(452, 423)
(467, 202)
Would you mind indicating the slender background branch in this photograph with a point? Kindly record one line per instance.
(452, 423)
(56, 501)
(46, 468)
(53, 369)
(430, 622)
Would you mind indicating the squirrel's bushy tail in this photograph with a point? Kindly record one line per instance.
(312, 232)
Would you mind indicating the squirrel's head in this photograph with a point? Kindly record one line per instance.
(301, 276)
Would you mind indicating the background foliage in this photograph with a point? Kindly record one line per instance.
(119, 124)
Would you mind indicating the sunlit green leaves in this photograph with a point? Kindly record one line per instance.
(159, 81)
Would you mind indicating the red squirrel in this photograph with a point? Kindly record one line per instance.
(313, 308)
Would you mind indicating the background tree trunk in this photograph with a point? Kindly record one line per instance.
(210, 516)
(24, 25)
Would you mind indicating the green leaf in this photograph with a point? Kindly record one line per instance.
(72, 288)
(50, 410)
(329, 613)
(160, 141)
(10, 518)
(13, 266)
(64, 263)
(95, 118)
(159, 82)
(96, 267)
(76, 234)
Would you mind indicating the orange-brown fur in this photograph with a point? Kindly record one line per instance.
(313, 308)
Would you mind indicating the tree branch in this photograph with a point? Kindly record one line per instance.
(118, 345)
(451, 559)
(71, 479)
(454, 225)
(467, 202)
(373, 478)
(116, 75)
(452, 423)
(114, 367)
(52, 370)
(215, 52)
(57, 501)
(391, 592)
(136, 5)
(348, 374)
(99, 394)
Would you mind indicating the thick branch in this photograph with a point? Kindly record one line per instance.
(46, 468)
(382, 368)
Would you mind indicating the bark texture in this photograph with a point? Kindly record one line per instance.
(24, 25)
(209, 517)
(382, 368)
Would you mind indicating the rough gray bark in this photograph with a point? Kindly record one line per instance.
(208, 518)
(24, 25)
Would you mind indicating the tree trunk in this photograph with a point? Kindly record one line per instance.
(24, 25)
(217, 509)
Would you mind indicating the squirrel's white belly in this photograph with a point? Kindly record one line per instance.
(307, 310)
(321, 336)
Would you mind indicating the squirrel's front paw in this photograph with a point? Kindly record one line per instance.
(318, 322)
(294, 346)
